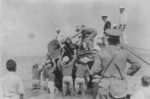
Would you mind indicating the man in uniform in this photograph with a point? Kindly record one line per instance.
(113, 65)
(88, 35)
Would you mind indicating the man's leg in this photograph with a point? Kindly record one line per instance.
(83, 86)
(95, 89)
(51, 86)
(64, 86)
(90, 37)
(76, 86)
(71, 85)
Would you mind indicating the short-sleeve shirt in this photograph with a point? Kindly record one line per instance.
(12, 85)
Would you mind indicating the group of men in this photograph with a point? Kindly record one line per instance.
(109, 66)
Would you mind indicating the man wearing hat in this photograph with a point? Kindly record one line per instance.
(82, 73)
(113, 66)
(88, 35)
(123, 22)
(107, 25)
(123, 18)
(66, 66)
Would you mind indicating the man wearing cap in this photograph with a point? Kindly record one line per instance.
(82, 73)
(113, 66)
(66, 66)
(88, 35)
(107, 25)
(123, 18)
(123, 22)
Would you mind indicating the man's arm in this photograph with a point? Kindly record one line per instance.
(135, 65)
(96, 68)
(74, 58)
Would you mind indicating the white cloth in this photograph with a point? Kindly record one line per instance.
(142, 93)
(123, 18)
(51, 86)
(12, 85)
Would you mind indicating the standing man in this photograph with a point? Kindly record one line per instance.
(66, 66)
(123, 22)
(12, 85)
(107, 25)
(113, 67)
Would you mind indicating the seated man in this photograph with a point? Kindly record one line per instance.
(82, 73)
(66, 66)
(88, 35)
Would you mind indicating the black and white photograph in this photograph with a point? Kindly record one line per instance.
(74, 49)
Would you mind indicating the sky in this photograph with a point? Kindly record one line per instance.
(28, 25)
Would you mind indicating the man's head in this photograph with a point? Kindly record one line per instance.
(65, 59)
(113, 36)
(145, 81)
(121, 9)
(58, 31)
(11, 65)
(35, 66)
(79, 27)
(104, 18)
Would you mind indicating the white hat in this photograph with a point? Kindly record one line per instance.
(121, 7)
(65, 59)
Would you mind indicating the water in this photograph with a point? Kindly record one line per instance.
(25, 64)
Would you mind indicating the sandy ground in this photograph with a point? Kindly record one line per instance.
(24, 70)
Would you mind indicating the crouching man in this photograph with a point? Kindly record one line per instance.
(82, 73)
(51, 77)
(66, 66)
(36, 73)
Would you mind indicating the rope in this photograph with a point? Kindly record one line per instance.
(131, 51)
(140, 48)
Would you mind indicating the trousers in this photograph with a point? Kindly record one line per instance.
(51, 86)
